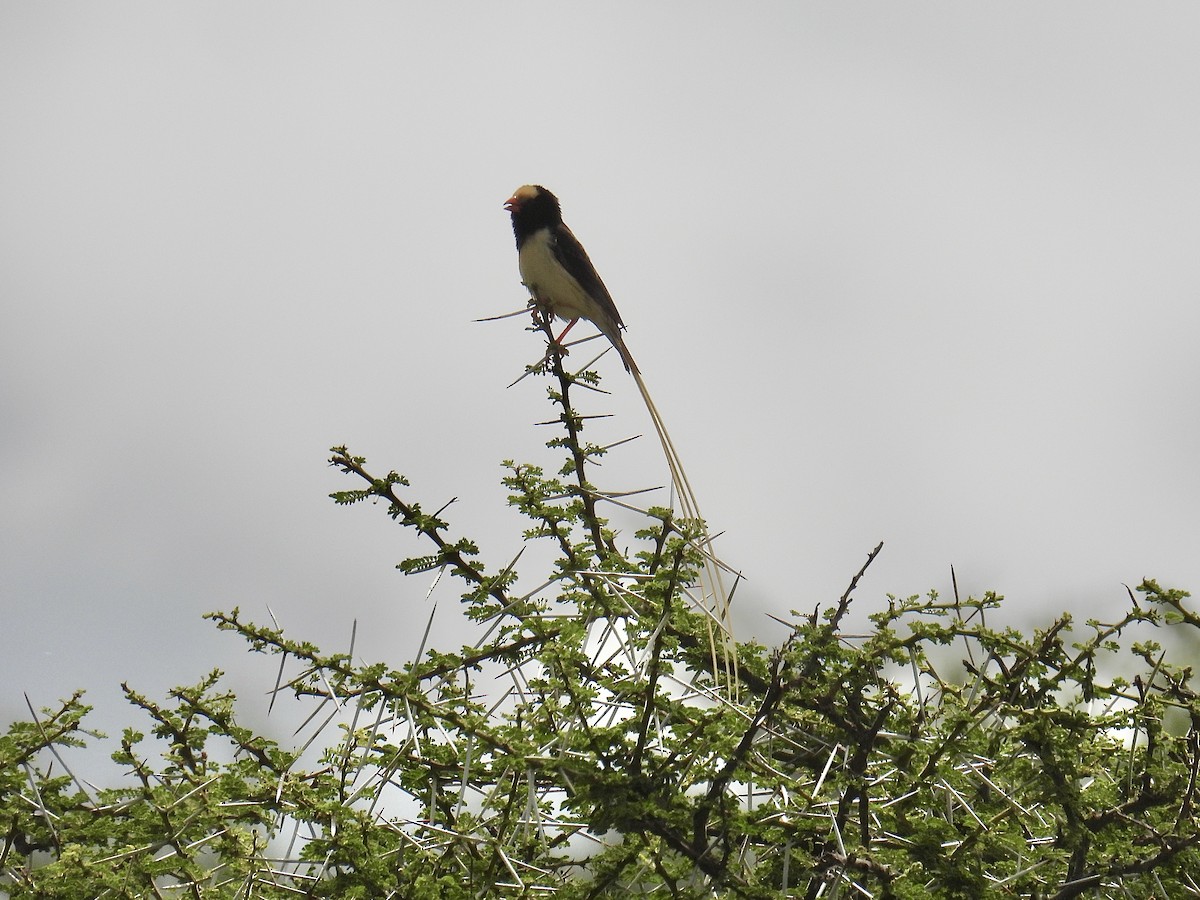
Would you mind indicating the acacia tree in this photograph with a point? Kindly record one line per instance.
(595, 741)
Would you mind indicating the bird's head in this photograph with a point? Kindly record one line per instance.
(533, 207)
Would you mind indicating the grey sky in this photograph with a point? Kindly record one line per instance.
(924, 273)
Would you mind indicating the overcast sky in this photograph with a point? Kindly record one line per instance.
(919, 273)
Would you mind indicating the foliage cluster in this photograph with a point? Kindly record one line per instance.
(592, 744)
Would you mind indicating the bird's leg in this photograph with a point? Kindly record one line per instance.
(543, 318)
(556, 344)
(570, 325)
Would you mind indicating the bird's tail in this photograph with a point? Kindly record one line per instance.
(613, 333)
(714, 598)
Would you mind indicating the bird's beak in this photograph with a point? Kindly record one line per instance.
(511, 204)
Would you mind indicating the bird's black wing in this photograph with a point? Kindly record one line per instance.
(572, 257)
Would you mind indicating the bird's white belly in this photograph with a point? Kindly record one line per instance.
(549, 282)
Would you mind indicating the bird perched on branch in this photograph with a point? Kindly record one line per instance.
(556, 269)
(563, 282)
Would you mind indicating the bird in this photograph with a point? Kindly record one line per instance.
(562, 280)
(556, 269)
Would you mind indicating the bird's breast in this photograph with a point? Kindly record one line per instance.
(550, 283)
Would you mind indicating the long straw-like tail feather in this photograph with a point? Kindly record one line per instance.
(715, 597)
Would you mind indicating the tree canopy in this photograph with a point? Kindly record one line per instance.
(605, 733)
